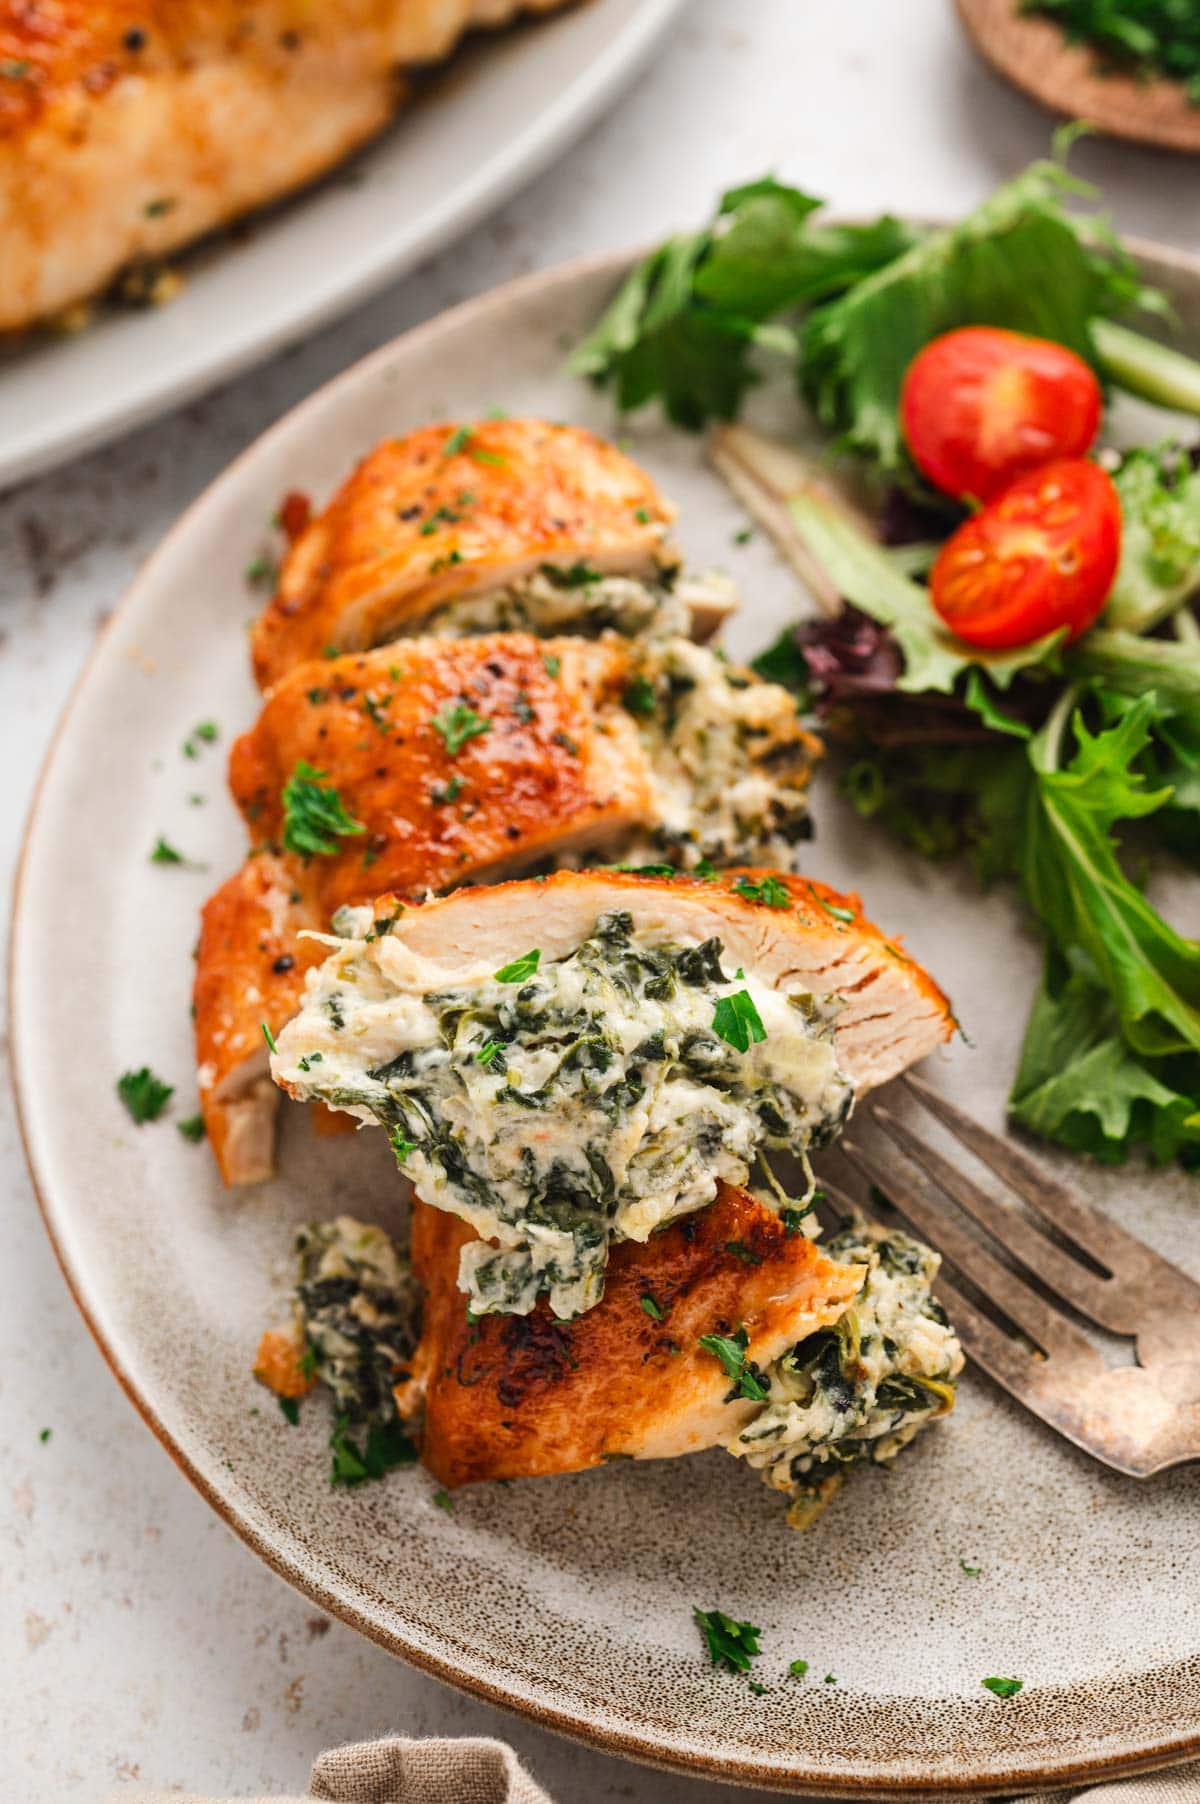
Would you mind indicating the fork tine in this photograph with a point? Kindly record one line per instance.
(1035, 1383)
(917, 1197)
(1109, 1245)
(1093, 1296)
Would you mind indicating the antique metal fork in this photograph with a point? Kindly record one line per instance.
(1138, 1418)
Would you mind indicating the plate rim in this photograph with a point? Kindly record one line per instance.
(761, 1772)
(595, 87)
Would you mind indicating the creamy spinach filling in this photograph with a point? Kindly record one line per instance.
(576, 598)
(856, 1393)
(730, 758)
(355, 1305)
(560, 1106)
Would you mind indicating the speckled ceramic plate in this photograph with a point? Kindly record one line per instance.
(490, 120)
(569, 1600)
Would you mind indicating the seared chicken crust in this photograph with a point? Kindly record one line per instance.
(525, 1396)
(450, 511)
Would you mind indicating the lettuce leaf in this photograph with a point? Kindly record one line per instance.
(1079, 1083)
(1160, 538)
(1020, 261)
(1073, 881)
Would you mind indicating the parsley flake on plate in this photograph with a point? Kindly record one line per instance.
(1003, 1688)
(164, 853)
(144, 1095)
(730, 1643)
(192, 1128)
(653, 1308)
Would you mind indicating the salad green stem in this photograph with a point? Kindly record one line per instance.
(1045, 751)
(1187, 628)
(1147, 369)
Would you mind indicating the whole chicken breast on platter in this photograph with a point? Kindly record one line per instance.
(129, 128)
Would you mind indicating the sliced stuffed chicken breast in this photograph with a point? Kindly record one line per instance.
(570, 1063)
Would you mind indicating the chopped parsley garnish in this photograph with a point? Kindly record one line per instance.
(482, 455)
(144, 1095)
(488, 1051)
(387, 1446)
(458, 441)
(770, 892)
(403, 1148)
(457, 724)
(730, 1643)
(743, 535)
(1003, 1688)
(373, 707)
(741, 1251)
(15, 69)
(520, 969)
(642, 515)
(314, 817)
(268, 1036)
(523, 708)
(839, 914)
(830, 1678)
(737, 1021)
(441, 516)
(797, 1668)
(441, 793)
(971, 1571)
(165, 853)
(154, 209)
(203, 734)
(262, 572)
(553, 665)
(289, 1409)
(571, 576)
(310, 1059)
(639, 697)
(730, 1349)
(446, 563)
(653, 1308)
(192, 1129)
(760, 1691)
(443, 1501)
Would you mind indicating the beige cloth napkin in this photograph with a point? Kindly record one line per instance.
(478, 1771)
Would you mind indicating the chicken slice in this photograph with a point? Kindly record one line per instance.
(789, 932)
(250, 967)
(524, 1396)
(128, 128)
(451, 512)
(455, 758)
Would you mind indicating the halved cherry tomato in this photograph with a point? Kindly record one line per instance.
(1041, 556)
(981, 406)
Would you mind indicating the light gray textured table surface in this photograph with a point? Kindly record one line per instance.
(138, 1639)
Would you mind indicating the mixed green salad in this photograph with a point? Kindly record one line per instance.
(1145, 38)
(1014, 669)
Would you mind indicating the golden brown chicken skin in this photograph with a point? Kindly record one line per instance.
(130, 127)
(455, 758)
(524, 1396)
(250, 968)
(450, 511)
